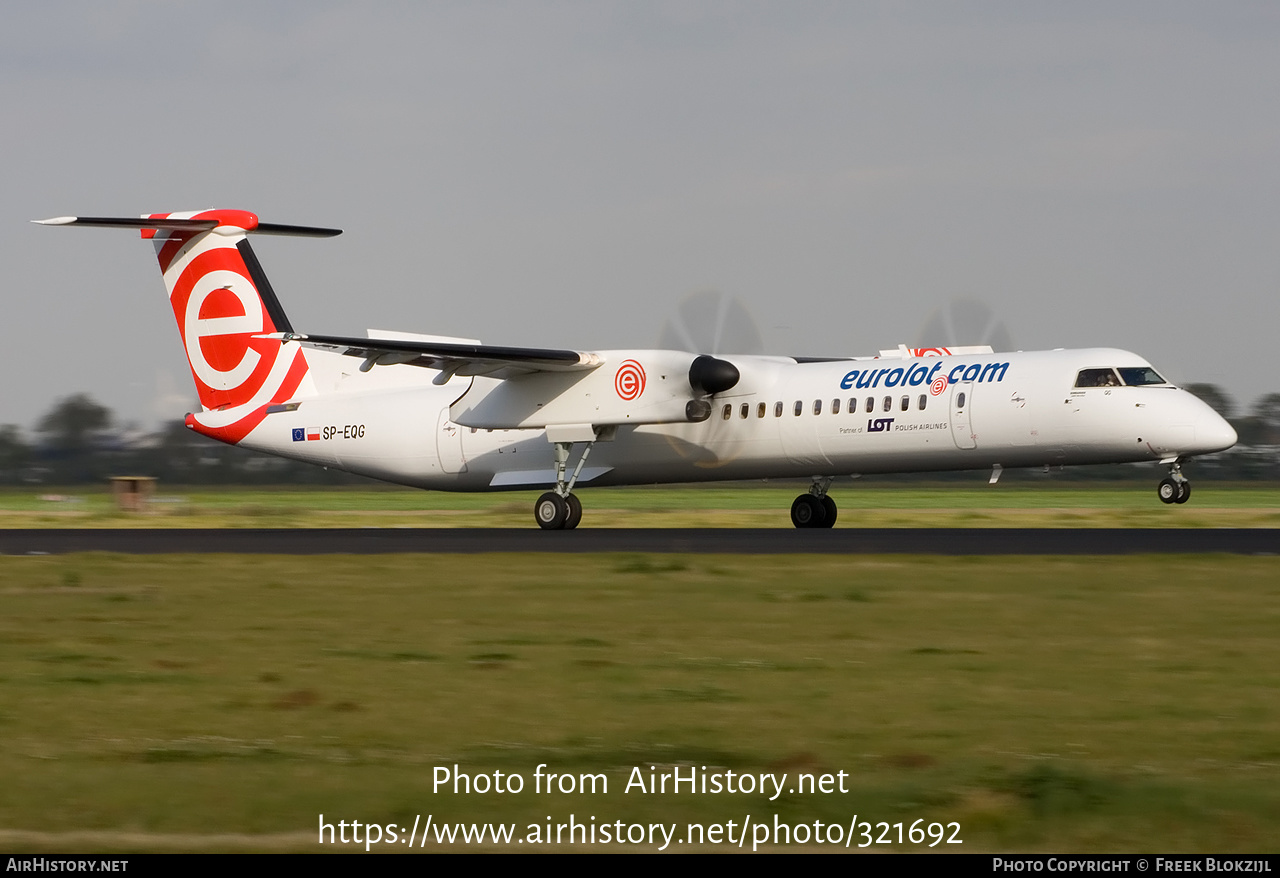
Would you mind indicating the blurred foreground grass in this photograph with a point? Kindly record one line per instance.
(861, 505)
(1081, 704)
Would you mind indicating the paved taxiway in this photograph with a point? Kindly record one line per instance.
(747, 541)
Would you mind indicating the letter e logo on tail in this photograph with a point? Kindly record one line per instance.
(220, 310)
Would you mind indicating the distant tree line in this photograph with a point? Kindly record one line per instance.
(79, 441)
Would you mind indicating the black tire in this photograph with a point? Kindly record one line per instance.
(1167, 491)
(575, 512)
(550, 511)
(807, 511)
(1184, 492)
(829, 507)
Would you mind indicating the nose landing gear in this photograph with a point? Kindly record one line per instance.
(1175, 488)
(814, 509)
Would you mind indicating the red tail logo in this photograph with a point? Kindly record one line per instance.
(219, 310)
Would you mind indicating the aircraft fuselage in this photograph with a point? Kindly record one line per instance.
(783, 419)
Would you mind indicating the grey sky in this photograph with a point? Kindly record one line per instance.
(564, 174)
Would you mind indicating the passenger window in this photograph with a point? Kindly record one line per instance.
(799, 407)
(959, 400)
(853, 405)
(835, 406)
(777, 409)
(746, 409)
(817, 406)
(923, 400)
(760, 410)
(728, 411)
(888, 403)
(906, 403)
(1097, 378)
(871, 404)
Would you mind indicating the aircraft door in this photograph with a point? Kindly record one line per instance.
(961, 406)
(449, 444)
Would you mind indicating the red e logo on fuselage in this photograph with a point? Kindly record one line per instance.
(629, 381)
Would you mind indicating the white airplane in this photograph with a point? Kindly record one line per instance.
(453, 414)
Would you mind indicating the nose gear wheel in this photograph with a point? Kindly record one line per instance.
(1174, 488)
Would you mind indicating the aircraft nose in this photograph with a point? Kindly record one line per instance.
(1213, 433)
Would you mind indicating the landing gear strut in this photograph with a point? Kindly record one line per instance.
(560, 509)
(815, 509)
(1175, 488)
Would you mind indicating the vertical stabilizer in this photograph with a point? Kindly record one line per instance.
(224, 304)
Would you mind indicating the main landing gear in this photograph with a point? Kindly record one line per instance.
(814, 509)
(1174, 489)
(561, 509)
(555, 512)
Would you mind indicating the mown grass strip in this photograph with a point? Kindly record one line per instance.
(1063, 704)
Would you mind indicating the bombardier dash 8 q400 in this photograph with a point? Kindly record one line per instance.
(454, 414)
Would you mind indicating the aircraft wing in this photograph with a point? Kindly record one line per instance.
(451, 359)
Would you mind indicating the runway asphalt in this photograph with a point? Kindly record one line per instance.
(749, 541)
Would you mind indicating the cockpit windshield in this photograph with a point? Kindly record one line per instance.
(1097, 378)
(1141, 375)
(1133, 377)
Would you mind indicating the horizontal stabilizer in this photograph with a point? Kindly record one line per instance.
(186, 225)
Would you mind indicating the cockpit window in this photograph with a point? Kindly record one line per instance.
(1142, 375)
(1097, 378)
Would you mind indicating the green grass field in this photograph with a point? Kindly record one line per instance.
(862, 504)
(197, 703)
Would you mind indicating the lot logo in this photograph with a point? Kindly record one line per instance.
(878, 425)
(629, 382)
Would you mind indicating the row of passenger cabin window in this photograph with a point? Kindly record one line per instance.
(744, 411)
